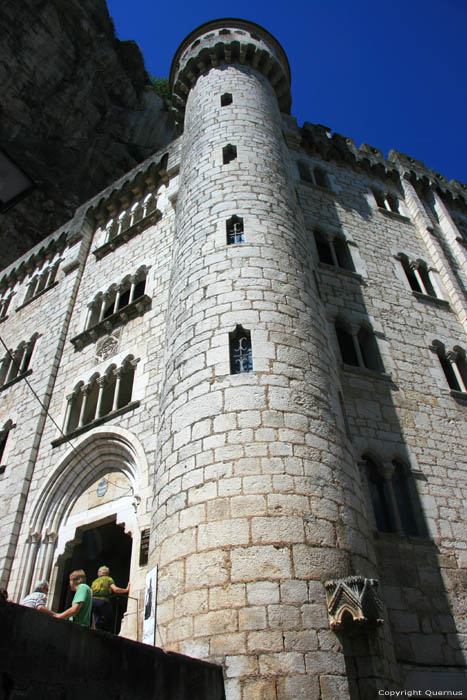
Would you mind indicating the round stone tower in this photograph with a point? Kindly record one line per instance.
(257, 498)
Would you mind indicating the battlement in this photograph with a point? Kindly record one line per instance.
(226, 41)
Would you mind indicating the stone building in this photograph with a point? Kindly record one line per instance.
(245, 363)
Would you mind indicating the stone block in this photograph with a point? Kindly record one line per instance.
(315, 616)
(267, 640)
(333, 687)
(207, 569)
(215, 622)
(262, 593)
(225, 596)
(288, 662)
(223, 533)
(283, 616)
(240, 665)
(252, 618)
(264, 689)
(301, 687)
(325, 662)
(279, 529)
(258, 563)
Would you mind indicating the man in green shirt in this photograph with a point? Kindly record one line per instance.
(81, 607)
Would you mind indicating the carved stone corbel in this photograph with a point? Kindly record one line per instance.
(355, 598)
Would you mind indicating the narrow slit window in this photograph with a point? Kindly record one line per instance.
(229, 153)
(241, 358)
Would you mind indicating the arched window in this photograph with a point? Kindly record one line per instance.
(235, 232)
(117, 297)
(380, 496)
(428, 288)
(379, 198)
(346, 344)
(101, 396)
(403, 498)
(75, 400)
(392, 203)
(461, 365)
(409, 273)
(453, 364)
(323, 246)
(321, 177)
(344, 259)
(386, 200)
(358, 347)
(392, 496)
(91, 393)
(333, 251)
(42, 281)
(107, 384)
(126, 382)
(304, 171)
(418, 275)
(369, 350)
(15, 363)
(241, 358)
(5, 303)
(4, 432)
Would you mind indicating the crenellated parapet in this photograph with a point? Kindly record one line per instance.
(421, 176)
(318, 140)
(223, 42)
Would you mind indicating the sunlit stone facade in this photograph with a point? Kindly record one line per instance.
(252, 349)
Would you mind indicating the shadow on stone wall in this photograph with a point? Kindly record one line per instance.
(393, 417)
(48, 659)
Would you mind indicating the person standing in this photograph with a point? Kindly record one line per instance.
(102, 588)
(81, 606)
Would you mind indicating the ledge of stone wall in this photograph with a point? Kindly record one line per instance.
(48, 659)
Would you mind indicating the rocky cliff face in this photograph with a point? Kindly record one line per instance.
(77, 111)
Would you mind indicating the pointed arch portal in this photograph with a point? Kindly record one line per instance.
(87, 511)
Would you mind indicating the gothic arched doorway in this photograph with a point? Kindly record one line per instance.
(106, 544)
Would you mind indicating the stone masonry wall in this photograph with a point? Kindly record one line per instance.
(256, 500)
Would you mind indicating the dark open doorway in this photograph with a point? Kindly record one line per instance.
(98, 546)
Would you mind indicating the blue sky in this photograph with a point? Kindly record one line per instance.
(390, 73)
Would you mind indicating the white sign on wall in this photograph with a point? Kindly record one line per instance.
(149, 612)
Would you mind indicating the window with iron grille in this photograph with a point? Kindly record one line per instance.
(241, 358)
